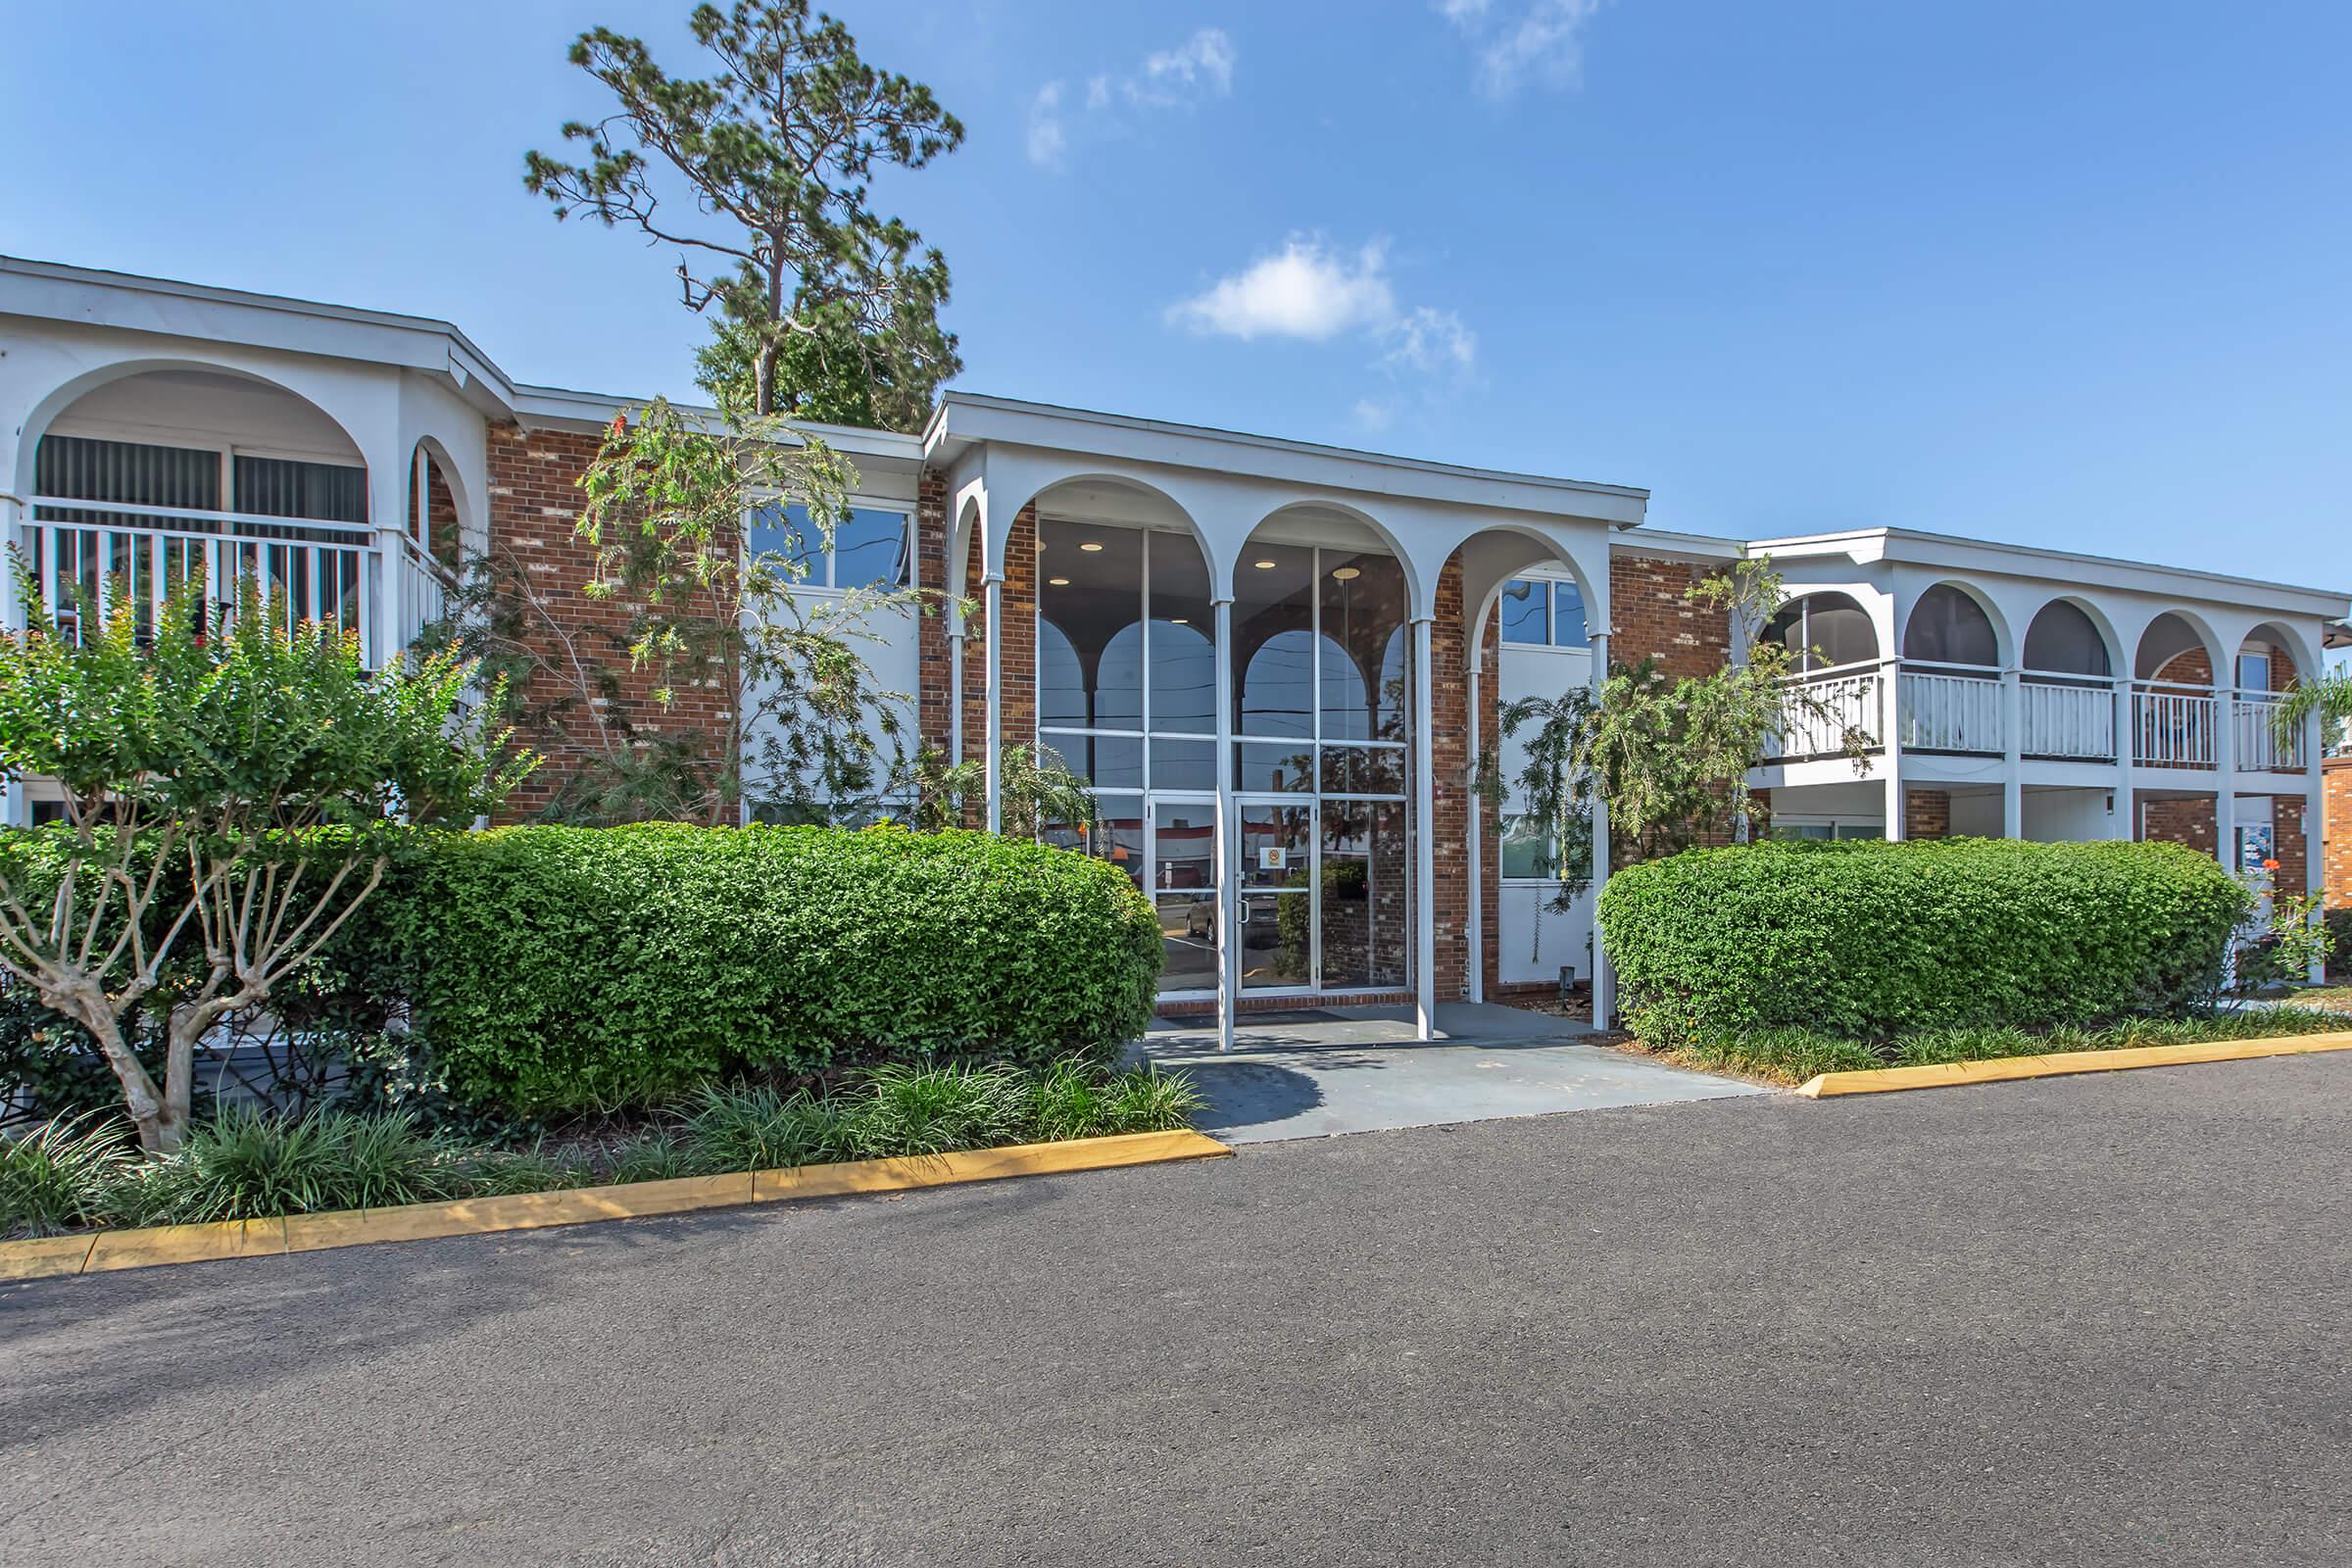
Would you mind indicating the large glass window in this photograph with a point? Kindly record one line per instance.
(1322, 661)
(869, 545)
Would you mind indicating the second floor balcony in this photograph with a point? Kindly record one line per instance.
(1980, 712)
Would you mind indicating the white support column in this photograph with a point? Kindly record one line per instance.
(995, 702)
(2315, 818)
(1477, 928)
(2224, 777)
(1890, 697)
(955, 687)
(1228, 882)
(1425, 846)
(2126, 743)
(2013, 756)
(16, 518)
(1604, 977)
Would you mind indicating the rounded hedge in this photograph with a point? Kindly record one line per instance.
(556, 968)
(1870, 940)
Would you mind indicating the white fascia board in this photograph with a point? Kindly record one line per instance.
(968, 418)
(49, 291)
(1659, 543)
(1984, 558)
(561, 409)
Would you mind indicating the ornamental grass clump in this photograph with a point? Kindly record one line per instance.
(245, 1163)
(64, 1175)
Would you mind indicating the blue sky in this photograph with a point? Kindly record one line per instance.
(2070, 274)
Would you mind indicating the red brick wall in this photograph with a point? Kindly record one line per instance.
(1449, 784)
(534, 503)
(2185, 820)
(2288, 845)
(1651, 614)
(1018, 600)
(2191, 667)
(932, 696)
(1927, 814)
(2335, 854)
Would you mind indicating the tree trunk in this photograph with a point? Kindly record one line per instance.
(160, 1132)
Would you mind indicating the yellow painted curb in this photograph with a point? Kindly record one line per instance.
(477, 1216)
(2057, 1063)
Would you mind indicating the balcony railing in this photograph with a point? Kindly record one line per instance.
(332, 573)
(1958, 709)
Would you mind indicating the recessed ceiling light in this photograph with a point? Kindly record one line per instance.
(1345, 573)
(1263, 566)
(1178, 620)
(1058, 582)
(1089, 545)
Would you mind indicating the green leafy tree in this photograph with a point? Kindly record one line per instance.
(231, 796)
(761, 175)
(1670, 758)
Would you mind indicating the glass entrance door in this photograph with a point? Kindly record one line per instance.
(1275, 841)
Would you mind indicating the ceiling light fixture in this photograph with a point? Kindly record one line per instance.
(1263, 566)
(1178, 620)
(1058, 582)
(1089, 545)
(1345, 573)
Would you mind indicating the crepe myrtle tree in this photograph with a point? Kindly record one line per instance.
(232, 794)
(760, 175)
(1669, 758)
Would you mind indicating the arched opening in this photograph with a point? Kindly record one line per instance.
(1824, 630)
(2175, 722)
(2063, 640)
(2269, 664)
(1321, 703)
(1948, 626)
(2066, 704)
(432, 520)
(182, 479)
(1126, 697)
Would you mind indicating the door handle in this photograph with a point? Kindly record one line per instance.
(1242, 913)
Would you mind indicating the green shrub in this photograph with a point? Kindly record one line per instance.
(2339, 921)
(556, 969)
(247, 1164)
(64, 1175)
(1866, 940)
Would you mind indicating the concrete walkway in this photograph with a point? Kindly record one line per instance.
(1359, 1070)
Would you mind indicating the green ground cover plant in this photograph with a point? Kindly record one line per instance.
(1792, 1056)
(83, 1171)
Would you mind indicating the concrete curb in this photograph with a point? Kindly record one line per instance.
(1952, 1074)
(101, 1250)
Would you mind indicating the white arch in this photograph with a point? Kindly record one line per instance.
(2118, 659)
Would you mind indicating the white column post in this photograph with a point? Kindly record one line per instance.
(1476, 929)
(1425, 846)
(16, 518)
(1604, 978)
(2013, 756)
(2224, 776)
(2127, 745)
(996, 701)
(1890, 699)
(2315, 818)
(1228, 883)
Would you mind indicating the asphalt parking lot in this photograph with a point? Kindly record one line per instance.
(2091, 1320)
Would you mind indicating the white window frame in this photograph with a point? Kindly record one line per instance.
(906, 511)
(1551, 613)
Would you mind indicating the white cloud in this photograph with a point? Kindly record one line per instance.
(1049, 143)
(1432, 342)
(1537, 38)
(1186, 77)
(1303, 290)
(1316, 293)
(1205, 58)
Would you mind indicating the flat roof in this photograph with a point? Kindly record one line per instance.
(2039, 552)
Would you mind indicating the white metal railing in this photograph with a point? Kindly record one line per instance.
(1849, 699)
(2066, 719)
(2172, 727)
(2256, 743)
(324, 572)
(1950, 713)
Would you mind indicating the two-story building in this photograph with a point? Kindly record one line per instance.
(1276, 662)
